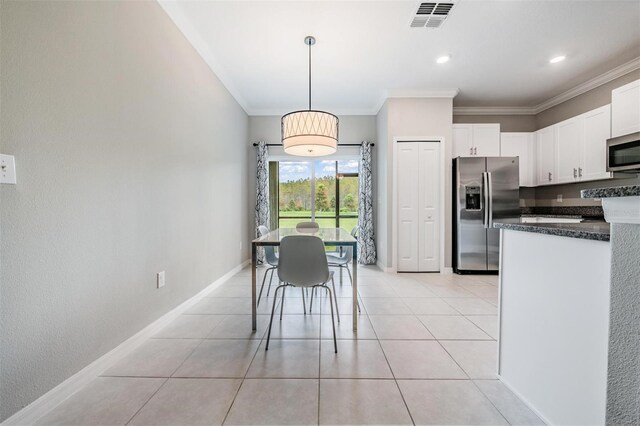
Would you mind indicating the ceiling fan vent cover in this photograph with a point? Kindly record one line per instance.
(431, 15)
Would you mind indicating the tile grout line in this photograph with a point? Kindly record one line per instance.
(395, 380)
(244, 378)
(165, 381)
(490, 401)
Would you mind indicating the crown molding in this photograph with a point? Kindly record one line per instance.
(494, 110)
(444, 93)
(578, 90)
(334, 111)
(416, 93)
(598, 81)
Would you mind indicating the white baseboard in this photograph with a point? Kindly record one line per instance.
(47, 402)
(523, 399)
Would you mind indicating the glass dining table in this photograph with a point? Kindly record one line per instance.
(330, 237)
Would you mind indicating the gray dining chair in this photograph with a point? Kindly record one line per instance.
(303, 263)
(342, 260)
(305, 226)
(271, 257)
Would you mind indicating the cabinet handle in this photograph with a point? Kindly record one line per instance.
(580, 171)
(471, 151)
(550, 176)
(475, 150)
(575, 173)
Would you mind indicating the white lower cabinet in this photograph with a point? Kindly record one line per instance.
(521, 145)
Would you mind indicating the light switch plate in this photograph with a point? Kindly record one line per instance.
(7, 169)
(160, 279)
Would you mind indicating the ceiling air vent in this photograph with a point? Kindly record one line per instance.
(431, 15)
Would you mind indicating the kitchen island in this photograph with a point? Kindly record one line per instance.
(554, 316)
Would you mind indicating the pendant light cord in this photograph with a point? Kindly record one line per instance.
(309, 76)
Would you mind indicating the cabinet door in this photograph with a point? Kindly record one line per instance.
(462, 137)
(408, 206)
(570, 135)
(625, 109)
(429, 201)
(519, 145)
(597, 124)
(486, 140)
(546, 150)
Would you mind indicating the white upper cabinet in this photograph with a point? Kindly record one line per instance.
(570, 135)
(481, 140)
(625, 109)
(462, 140)
(580, 148)
(486, 140)
(521, 145)
(597, 129)
(546, 155)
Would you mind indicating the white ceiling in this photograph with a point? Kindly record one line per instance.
(500, 50)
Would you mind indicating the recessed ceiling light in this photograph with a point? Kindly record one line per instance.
(557, 59)
(443, 59)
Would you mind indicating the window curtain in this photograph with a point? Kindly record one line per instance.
(262, 192)
(366, 237)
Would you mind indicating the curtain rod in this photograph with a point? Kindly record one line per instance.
(339, 145)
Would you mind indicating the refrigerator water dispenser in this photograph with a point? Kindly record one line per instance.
(472, 198)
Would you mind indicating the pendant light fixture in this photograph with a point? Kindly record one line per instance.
(310, 133)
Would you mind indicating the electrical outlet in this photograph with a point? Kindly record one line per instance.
(7, 169)
(160, 279)
(559, 198)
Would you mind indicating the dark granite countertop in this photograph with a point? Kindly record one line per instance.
(557, 216)
(616, 191)
(592, 230)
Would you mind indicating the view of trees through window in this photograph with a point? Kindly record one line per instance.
(326, 191)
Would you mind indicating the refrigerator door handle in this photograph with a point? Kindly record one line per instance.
(490, 200)
(485, 199)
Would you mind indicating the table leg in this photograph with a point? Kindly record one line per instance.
(354, 284)
(254, 267)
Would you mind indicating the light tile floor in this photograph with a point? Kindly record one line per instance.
(425, 353)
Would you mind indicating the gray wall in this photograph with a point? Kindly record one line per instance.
(623, 377)
(508, 123)
(353, 129)
(130, 160)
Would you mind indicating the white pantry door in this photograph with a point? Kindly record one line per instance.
(418, 242)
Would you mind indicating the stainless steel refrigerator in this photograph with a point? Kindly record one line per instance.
(485, 189)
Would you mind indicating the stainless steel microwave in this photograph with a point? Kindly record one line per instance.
(623, 153)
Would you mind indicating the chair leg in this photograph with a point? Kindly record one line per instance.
(333, 324)
(270, 281)
(304, 305)
(273, 310)
(282, 304)
(262, 286)
(313, 290)
(335, 299)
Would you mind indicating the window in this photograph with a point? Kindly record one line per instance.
(323, 190)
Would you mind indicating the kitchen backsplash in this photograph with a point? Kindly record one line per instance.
(565, 199)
